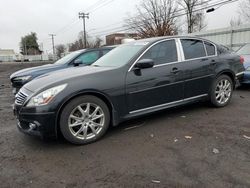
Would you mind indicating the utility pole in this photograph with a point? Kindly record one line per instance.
(83, 16)
(53, 43)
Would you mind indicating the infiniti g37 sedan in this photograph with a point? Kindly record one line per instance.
(77, 58)
(134, 79)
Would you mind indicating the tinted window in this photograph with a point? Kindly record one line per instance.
(68, 58)
(193, 48)
(223, 49)
(89, 57)
(210, 48)
(120, 55)
(105, 51)
(164, 52)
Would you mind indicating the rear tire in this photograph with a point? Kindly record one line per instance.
(221, 91)
(84, 120)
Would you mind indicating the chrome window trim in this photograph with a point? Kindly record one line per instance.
(180, 51)
(203, 40)
(167, 104)
(132, 66)
(205, 48)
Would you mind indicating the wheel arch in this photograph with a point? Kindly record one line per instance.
(228, 73)
(97, 94)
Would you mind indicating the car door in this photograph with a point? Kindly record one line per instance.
(87, 58)
(199, 67)
(159, 85)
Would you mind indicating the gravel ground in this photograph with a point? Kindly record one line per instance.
(190, 146)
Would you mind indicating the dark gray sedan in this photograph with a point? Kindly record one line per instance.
(134, 79)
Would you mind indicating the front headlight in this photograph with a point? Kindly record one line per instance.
(22, 78)
(46, 96)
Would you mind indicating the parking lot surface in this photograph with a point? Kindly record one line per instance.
(190, 146)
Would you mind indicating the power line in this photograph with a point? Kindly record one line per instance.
(120, 29)
(94, 5)
(102, 5)
(202, 3)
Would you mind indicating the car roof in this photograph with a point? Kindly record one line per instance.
(100, 48)
(155, 39)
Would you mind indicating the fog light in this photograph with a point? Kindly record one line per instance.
(32, 126)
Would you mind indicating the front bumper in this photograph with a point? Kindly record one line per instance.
(42, 125)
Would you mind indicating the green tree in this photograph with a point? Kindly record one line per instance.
(29, 45)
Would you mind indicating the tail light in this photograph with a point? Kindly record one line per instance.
(242, 60)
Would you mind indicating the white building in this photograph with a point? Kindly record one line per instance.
(7, 55)
(232, 37)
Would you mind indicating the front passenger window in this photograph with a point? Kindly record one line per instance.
(164, 52)
(89, 57)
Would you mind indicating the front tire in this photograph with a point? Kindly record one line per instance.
(84, 120)
(221, 91)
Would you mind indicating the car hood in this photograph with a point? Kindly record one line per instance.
(62, 76)
(34, 71)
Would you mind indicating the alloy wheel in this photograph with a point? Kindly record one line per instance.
(86, 121)
(223, 91)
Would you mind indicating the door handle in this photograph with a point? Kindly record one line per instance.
(175, 70)
(213, 62)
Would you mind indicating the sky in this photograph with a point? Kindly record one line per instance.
(60, 17)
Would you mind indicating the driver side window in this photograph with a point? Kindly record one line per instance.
(89, 57)
(161, 53)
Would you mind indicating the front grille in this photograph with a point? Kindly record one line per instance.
(20, 98)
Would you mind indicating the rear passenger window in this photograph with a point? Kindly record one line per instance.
(193, 48)
(210, 48)
(164, 52)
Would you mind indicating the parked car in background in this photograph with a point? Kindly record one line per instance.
(77, 58)
(134, 79)
(245, 53)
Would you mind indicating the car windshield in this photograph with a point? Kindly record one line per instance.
(68, 58)
(120, 55)
(245, 50)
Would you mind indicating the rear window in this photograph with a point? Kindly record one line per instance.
(223, 49)
(210, 48)
(193, 48)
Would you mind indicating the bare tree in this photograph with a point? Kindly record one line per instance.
(245, 10)
(154, 18)
(200, 22)
(79, 44)
(235, 22)
(195, 19)
(60, 49)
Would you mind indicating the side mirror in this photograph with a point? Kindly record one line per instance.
(77, 62)
(145, 63)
